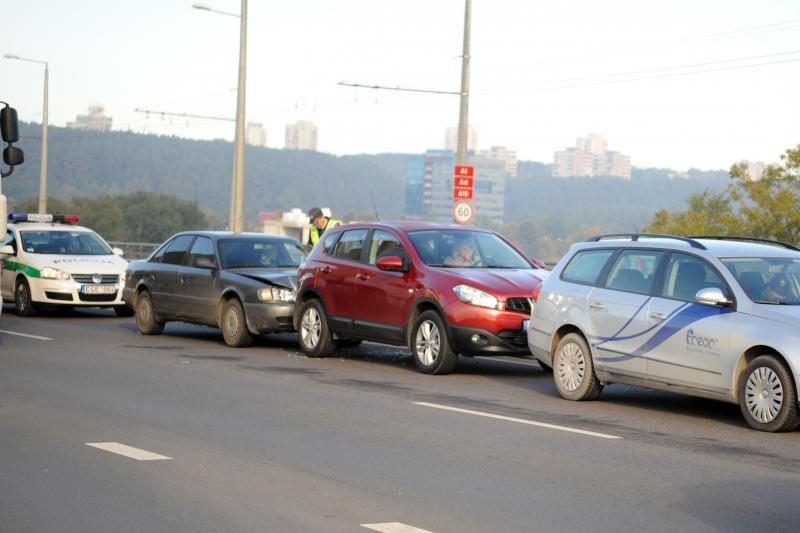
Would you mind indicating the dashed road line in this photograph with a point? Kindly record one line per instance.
(395, 527)
(518, 420)
(128, 451)
(26, 335)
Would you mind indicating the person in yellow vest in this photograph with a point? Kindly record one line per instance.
(319, 223)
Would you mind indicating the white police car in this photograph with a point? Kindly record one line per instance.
(55, 263)
(715, 317)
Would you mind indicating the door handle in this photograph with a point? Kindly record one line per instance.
(658, 316)
(182, 279)
(597, 305)
(362, 276)
(325, 270)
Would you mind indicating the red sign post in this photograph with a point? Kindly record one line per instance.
(463, 190)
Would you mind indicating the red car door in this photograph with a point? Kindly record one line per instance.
(336, 277)
(382, 297)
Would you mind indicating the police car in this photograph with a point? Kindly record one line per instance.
(56, 263)
(715, 317)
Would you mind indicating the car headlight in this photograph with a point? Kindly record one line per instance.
(473, 296)
(53, 273)
(275, 294)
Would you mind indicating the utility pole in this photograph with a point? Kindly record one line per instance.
(237, 214)
(463, 112)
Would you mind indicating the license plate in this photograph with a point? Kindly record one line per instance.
(98, 289)
(525, 324)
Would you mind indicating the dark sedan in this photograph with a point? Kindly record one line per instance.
(242, 283)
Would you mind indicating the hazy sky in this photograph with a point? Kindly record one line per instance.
(678, 84)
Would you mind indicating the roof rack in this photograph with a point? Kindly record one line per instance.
(782, 244)
(636, 236)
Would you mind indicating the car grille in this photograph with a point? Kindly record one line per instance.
(98, 297)
(520, 305)
(86, 279)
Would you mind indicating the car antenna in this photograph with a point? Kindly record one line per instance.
(375, 207)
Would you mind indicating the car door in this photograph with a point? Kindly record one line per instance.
(336, 277)
(382, 298)
(690, 339)
(163, 275)
(196, 293)
(618, 311)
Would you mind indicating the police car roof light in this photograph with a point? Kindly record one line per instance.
(43, 217)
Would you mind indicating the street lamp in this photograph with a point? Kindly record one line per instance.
(43, 167)
(237, 181)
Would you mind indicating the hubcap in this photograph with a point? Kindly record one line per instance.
(232, 321)
(144, 311)
(763, 394)
(310, 328)
(428, 343)
(571, 367)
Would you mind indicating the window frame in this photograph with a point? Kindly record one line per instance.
(360, 258)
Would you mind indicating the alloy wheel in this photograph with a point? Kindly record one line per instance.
(428, 342)
(310, 328)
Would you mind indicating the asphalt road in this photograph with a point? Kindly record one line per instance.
(102, 429)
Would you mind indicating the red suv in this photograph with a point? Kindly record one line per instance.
(440, 289)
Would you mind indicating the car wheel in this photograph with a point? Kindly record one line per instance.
(573, 370)
(315, 335)
(768, 396)
(234, 325)
(22, 298)
(123, 311)
(146, 320)
(431, 345)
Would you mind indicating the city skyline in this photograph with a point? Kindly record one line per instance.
(681, 86)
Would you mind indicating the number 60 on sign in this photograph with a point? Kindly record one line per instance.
(463, 213)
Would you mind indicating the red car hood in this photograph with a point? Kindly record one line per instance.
(503, 283)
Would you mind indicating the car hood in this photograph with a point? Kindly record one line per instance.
(282, 277)
(89, 264)
(785, 314)
(499, 282)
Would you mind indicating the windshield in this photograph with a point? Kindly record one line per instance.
(269, 253)
(465, 249)
(60, 242)
(767, 280)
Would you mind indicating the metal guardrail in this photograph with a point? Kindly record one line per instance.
(135, 250)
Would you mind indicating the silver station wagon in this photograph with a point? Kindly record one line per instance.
(715, 317)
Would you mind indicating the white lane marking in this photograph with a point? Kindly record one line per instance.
(395, 527)
(505, 360)
(517, 420)
(128, 451)
(18, 334)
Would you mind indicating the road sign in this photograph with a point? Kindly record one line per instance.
(458, 181)
(463, 213)
(462, 193)
(465, 171)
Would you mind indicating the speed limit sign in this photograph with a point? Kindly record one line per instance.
(463, 213)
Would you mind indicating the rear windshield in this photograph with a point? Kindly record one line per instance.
(269, 253)
(465, 249)
(767, 280)
(57, 242)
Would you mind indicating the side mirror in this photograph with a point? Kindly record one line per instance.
(391, 263)
(205, 262)
(8, 125)
(118, 251)
(712, 296)
(7, 250)
(13, 156)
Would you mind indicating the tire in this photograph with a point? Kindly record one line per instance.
(768, 395)
(234, 325)
(22, 298)
(123, 311)
(314, 334)
(430, 345)
(146, 320)
(573, 370)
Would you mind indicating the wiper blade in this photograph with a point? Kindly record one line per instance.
(772, 302)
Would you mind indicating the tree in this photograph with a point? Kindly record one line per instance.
(767, 208)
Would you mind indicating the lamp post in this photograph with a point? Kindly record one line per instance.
(236, 218)
(43, 167)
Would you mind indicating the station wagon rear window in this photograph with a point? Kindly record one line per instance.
(585, 267)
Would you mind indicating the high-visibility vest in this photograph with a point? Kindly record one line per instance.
(314, 233)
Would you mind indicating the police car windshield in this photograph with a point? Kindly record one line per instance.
(767, 280)
(465, 249)
(63, 242)
(266, 253)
